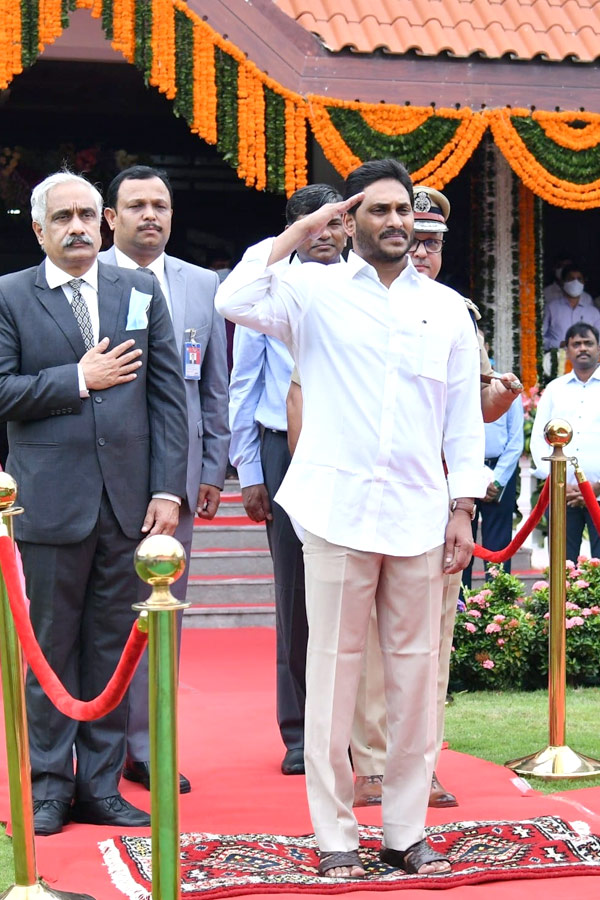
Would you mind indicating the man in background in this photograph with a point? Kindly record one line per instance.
(259, 384)
(576, 398)
(573, 305)
(139, 212)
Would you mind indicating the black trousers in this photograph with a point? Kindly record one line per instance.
(80, 606)
(290, 609)
(577, 518)
(496, 524)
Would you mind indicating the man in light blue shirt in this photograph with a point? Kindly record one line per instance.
(260, 379)
(504, 440)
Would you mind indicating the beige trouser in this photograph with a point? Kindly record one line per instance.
(368, 742)
(341, 585)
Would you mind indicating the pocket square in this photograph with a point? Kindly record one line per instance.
(137, 315)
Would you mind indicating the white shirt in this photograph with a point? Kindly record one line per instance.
(579, 403)
(88, 290)
(157, 266)
(390, 378)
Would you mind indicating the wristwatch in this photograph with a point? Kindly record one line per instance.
(467, 505)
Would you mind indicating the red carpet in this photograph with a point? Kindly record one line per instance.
(231, 750)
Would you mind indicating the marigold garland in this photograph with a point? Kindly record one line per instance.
(527, 305)
(10, 41)
(559, 161)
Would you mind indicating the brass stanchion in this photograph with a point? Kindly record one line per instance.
(557, 760)
(27, 885)
(159, 561)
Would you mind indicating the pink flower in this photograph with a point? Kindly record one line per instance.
(595, 610)
(594, 561)
(474, 612)
(575, 620)
(574, 573)
(570, 564)
(582, 559)
(493, 571)
(586, 612)
(453, 649)
(486, 592)
(474, 599)
(491, 628)
(540, 585)
(499, 618)
(500, 641)
(547, 615)
(581, 584)
(488, 664)
(513, 623)
(470, 627)
(570, 605)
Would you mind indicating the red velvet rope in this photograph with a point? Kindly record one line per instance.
(83, 711)
(525, 530)
(591, 502)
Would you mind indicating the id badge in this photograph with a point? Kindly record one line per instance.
(192, 358)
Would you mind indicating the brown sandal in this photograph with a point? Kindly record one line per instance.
(411, 860)
(338, 859)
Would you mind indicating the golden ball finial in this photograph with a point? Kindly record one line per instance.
(8, 490)
(558, 432)
(160, 559)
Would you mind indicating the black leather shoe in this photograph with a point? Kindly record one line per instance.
(109, 811)
(140, 772)
(49, 816)
(293, 762)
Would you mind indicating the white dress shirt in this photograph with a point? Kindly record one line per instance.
(579, 403)
(390, 378)
(157, 266)
(88, 290)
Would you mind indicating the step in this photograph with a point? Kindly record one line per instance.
(223, 561)
(223, 590)
(230, 536)
(231, 504)
(259, 616)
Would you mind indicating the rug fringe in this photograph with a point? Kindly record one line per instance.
(119, 873)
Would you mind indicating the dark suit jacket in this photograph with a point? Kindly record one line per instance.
(130, 439)
(192, 292)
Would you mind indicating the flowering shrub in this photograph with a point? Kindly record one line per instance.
(501, 635)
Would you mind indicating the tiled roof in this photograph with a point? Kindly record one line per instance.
(549, 29)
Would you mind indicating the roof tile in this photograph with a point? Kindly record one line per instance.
(553, 29)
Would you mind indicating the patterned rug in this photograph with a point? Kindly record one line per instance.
(218, 865)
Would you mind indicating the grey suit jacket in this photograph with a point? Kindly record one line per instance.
(63, 450)
(192, 292)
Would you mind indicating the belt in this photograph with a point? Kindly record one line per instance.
(491, 461)
(262, 429)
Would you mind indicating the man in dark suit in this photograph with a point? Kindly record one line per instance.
(139, 210)
(91, 388)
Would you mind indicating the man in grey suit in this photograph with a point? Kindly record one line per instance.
(139, 209)
(91, 388)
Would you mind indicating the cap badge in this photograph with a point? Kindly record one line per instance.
(422, 202)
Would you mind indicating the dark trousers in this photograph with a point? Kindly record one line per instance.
(80, 606)
(290, 609)
(577, 518)
(138, 738)
(496, 524)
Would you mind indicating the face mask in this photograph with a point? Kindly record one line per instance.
(573, 288)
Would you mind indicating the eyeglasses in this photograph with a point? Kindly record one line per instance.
(432, 245)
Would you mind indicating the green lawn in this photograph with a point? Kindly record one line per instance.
(500, 726)
(491, 725)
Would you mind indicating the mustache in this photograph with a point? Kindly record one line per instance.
(77, 239)
(150, 225)
(394, 232)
